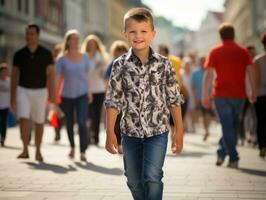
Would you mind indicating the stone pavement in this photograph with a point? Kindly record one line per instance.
(190, 175)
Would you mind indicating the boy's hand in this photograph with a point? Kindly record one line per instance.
(177, 141)
(111, 143)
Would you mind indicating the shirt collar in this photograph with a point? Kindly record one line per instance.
(36, 50)
(228, 42)
(133, 57)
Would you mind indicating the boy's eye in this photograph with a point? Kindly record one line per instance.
(132, 32)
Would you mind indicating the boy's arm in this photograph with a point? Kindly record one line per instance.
(177, 138)
(113, 103)
(111, 141)
(174, 100)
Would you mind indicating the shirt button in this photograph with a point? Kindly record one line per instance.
(142, 115)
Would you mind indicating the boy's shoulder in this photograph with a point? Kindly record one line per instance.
(127, 57)
(161, 58)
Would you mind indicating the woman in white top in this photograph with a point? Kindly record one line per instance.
(93, 46)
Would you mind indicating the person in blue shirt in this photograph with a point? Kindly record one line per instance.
(196, 85)
(74, 67)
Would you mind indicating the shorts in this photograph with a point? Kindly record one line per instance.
(31, 103)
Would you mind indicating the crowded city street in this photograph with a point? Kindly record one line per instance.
(192, 175)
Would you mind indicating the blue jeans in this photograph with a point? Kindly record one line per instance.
(229, 110)
(80, 104)
(143, 163)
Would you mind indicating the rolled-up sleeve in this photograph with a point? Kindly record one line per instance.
(114, 95)
(173, 96)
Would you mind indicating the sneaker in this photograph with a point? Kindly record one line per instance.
(233, 165)
(220, 161)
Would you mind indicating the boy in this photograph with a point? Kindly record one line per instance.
(144, 87)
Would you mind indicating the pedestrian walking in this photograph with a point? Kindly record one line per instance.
(74, 67)
(230, 62)
(95, 49)
(59, 116)
(5, 100)
(185, 73)
(143, 86)
(260, 105)
(33, 67)
(196, 86)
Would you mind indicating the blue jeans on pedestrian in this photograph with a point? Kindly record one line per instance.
(143, 163)
(229, 110)
(80, 104)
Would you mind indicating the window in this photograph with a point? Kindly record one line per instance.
(19, 5)
(54, 13)
(2, 2)
(26, 7)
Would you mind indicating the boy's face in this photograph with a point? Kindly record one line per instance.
(139, 34)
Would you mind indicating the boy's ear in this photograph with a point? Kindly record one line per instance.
(124, 34)
(154, 33)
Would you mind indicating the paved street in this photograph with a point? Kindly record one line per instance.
(191, 175)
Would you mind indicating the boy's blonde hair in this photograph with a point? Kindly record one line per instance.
(140, 15)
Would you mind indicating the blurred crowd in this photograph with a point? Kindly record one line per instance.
(74, 78)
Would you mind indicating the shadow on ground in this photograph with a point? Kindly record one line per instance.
(100, 169)
(202, 145)
(253, 172)
(11, 147)
(51, 167)
(189, 154)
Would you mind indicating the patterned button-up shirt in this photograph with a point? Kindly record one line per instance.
(144, 93)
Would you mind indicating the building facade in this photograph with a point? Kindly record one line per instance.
(16, 14)
(207, 35)
(249, 20)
